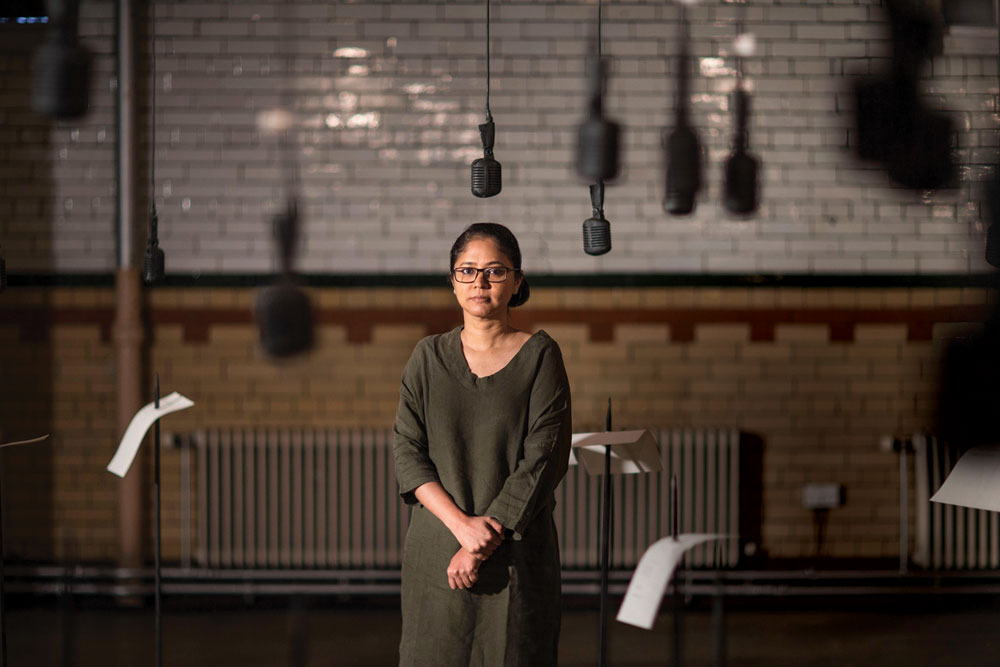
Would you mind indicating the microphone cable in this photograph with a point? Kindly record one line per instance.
(153, 262)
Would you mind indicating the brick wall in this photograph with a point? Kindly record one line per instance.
(819, 374)
(387, 96)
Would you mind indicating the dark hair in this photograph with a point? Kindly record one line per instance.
(507, 244)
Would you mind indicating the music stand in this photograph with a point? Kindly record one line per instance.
(149, 415)
(655, 572)
(613, 452)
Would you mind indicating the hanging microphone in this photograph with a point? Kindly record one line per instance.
(284, 316)
(62, 65)
(741, 167)
(993, 246)
(153, 264)
(284, 313)
(597, 145)
(682, 150)
(990, 210)
(683, 156)
(893, 123)
(597, 229)
(486, 180)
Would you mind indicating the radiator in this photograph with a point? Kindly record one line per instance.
(293, 498)
(949, 537)
(707, 465)
(283, 498)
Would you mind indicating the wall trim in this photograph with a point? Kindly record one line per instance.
(600, 280)
(35, 323)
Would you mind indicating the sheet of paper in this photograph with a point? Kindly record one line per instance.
(136, 431)
(631, 451)
(974, 481)
(25, 442)
(652, 576)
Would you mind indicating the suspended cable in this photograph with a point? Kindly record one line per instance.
(488, 115)
(153, 263)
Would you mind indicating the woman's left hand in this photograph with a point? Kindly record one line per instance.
(463, 570)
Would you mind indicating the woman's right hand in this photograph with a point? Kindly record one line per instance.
(479, 535)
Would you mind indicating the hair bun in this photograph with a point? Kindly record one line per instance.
(521, 295)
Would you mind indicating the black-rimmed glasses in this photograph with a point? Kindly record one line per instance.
(494, 274)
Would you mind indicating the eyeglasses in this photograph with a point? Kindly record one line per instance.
(494, 274)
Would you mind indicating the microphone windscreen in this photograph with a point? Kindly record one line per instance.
(992, 245)
(597, 150)
(683, 155)
(596, 236)
(61, 80)
(920, 158)
(284, 317)
(741, 183)
(875, 104)
(486, 177)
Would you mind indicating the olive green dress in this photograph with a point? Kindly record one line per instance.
(500, 446)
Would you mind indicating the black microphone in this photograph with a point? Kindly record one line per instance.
(741, 167)
(598, 137)
(283, 311)
(990, 210)
(3, 273)
(993, 245)
(284, 316)
(62, 66)
(486, 181)
(894, 125)
(153, 263)
(683, 156)
(597, 229)
(682, 150)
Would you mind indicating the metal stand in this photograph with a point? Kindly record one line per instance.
(904, 506)
(156, 512)
(678, 602)
(719, 612)
(605, 545)
(3, 620)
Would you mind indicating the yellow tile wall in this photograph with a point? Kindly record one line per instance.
(819, 406)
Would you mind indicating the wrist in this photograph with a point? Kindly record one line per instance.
(456, 521)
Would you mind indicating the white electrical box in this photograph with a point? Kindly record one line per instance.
(822, 496)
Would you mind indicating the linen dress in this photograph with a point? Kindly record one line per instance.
(499, 445)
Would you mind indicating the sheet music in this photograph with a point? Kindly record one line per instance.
(652, 576)
(975, 480)
(137, 428)
(631, 451)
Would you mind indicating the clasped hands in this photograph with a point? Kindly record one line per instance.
(479, 536)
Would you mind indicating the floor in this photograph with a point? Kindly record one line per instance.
(861, 632)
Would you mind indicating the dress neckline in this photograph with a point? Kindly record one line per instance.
(461, 365)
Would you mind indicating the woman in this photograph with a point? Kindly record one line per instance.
(482, 438)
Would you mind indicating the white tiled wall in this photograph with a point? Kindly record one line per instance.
(387, 96)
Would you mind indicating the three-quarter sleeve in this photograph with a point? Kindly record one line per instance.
(410, 452)
(546, 447)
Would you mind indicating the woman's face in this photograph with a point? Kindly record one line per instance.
(482, 298)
